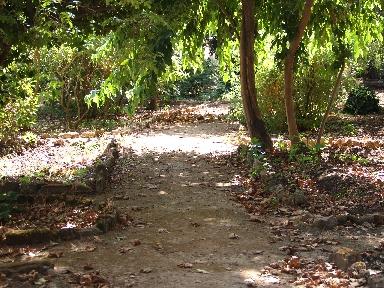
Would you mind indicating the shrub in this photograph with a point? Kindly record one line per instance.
(18, 101)
(371, 66)
(16, 116)
(313, 85)
(361, 101)
(68, 75)
(236, 112)
(270, 92)
(204, 85)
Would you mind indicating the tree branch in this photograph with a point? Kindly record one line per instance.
(295, 43)
(228, 17)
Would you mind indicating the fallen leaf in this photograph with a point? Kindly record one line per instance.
(55, 254)
(185, 265)
(294, 262)
(233, 236)
(146, 270)
(202, 271)
(136, 242)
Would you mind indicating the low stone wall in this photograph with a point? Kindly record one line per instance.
(95, 182)
(33, 236)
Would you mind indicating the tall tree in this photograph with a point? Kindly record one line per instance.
(255, 124)
(289, 63)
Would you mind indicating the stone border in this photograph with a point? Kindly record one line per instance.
(96, 182)
(41, 266)
(331, 222)
(33, 236)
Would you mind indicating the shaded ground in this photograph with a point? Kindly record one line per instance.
(176, 179)
(176, 186)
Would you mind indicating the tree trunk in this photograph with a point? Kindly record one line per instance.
(4, 51)
(255, 124)
(289, 64)
(335, 92)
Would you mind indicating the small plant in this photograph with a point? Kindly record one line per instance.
(255, 150)
(350, 157)
(29, 137)
(25, 180)
(305, 155)
(81, 172)
(281, 144)
(361, 101)
(349, 129)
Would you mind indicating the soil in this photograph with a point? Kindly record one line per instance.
(176, 185)
(176, 182)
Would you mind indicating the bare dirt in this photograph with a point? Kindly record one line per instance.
(177, 181)
(176, 184)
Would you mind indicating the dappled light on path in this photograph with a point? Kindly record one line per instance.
(184, 139)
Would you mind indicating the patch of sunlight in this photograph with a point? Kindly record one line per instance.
(220, 184)
(193, 184)
(257, 278)
(69, 225)
(226, 223)
(161, 143)
(209, 219)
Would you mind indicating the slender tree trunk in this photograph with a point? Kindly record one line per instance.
(289, 64)
(4, 51)
(335, 92)
(255, 124)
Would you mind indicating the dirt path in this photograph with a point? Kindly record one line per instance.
(176, 184)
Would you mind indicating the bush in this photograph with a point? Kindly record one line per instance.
(18, 101)
(313, 85)
(361, 101)
(270, 92)
(67, 75)
(236, 112)
(371, 66)
(16, 116)
(204, 85)
(314, 79)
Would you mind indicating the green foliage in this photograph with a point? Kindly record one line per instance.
(127, 53)
(270, 89)
(7, 203)
(349, 129)
(202, 85)
(313, 82)
(81, 172)
(18, 101)
(141, 50)
(67, 76)
(362, 101)
(305, 155)
(351, 158)
(371, 66)
(29, 138)
(233, 95)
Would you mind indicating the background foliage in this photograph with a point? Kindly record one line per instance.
(79, 60)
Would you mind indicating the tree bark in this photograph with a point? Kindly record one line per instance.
(289, 64)
(4, 51)
(335, 92)
(255, 124)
